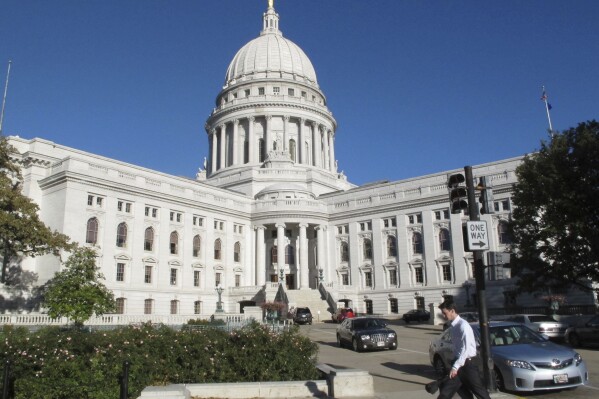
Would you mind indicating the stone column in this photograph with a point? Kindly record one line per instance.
(315, 144)
(332, 151)
(280, 247)
(301, 157)
(285, 133)
(235, 142)
(303, 259)
(267, 136)
(223, 146)
(320, 251)
(213, 164)
(325, 140)
(260, 255)
(251, 141)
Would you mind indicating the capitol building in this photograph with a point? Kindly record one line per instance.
(269, 215)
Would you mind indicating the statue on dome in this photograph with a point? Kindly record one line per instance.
(271, 3)
(204, 163)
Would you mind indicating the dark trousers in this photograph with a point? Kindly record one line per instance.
(465, 384)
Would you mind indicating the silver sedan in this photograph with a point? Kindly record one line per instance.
(524, 359)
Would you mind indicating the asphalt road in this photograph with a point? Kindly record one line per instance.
(408, 368)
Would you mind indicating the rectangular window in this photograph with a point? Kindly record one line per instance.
(505, 204)
(119, 206)
(304, 94)
(386, 222)
(179, 217)
(120, 305)
(247, 92)
(120, 272)
(148, 306)
(196, 278)
(174, 307)
(411, 219)
(154, 212)
(260, 91)
(173, 276)
(217, 279)
(90, 200)
(345, 279)
(419, 275)
(172, 216)
(437, 215)
(393, 305)
(446, 272)
(393, 277)
(276, 90)
(419, 218)
(147, 211)
(420, 303)
(99, 201)
(291, 92)
(148, 275)
(496, 206)
(368, 279)
(446, 214)
(237, 280)
(197, 307)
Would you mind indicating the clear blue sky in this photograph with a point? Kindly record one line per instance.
(417, 87)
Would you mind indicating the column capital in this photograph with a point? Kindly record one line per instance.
(223, 126)
(252, 118)
(314, 124)
(259, 227)
(277, 225)
(213, 130)
(286, 118)
(236, 121)
(321, 227)
(304, 225)
(268, 117)
(301, 120)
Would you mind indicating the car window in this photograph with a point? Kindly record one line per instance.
(541, 318)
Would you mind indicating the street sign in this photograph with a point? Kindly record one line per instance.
(477, 235)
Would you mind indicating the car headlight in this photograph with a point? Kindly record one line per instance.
(520, 364)
(391, 335)
(577, 358)
(365, 337)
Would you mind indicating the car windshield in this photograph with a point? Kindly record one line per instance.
(541, 318)
(513, 335)
(368, 324)
(303, 311)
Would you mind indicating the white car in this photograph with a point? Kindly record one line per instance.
(541, 323)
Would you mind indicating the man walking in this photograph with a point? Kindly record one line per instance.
(464, 377)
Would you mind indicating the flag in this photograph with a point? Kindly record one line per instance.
(549, 106)
(544, 98)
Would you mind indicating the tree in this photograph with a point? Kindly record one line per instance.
(555, 223)
(77, 291)
(22, 233)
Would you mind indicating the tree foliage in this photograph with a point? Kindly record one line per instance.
(22, 233)
(77, 292)
(556, 219)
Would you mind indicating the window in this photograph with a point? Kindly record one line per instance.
(446, 214)
(197, 307)
(446, 272)
(291, 92)
(505, 204)
(237, 252)
(237, 280)
(368, 304)
(176, 216)
(292, 150)
(148, 305)
(151, 212)
(444, 242)
(390, 222)
(247, 92)
(276, 90)
(368, 279)
(148, 275)
(99, 201)
(196, 278)
(173, 276)
(418, 275)
(365, 226)
(260, 91)
(415, 219)
(120, 272)
(273, 254)
(344, 252)
(90, 200)
(120, 305)
(391, 246)
(393, 305)
(261, 150)
(420, 303)
(95, 201)
(197, 245)
(174, 306)
(149, 239)
(91, 236)
(219, 225)
(217, 251)
(174, 243)
(121, 235)
(437, 215)
(304, 94)
(417, 243)
(123, 206)
(393, 277)
(367, 249)
(218, 279)
(198, 221)
(345, 279)
(289, 255)
(503, 233)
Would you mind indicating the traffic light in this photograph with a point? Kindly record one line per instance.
(486, 196)
(457, 193)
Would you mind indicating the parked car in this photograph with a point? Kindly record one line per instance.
(342, 313)
(585, 333)
(364, 333)
(523, 359)
(416, 315)
(302, 316)
(470, 317)
(542, 323)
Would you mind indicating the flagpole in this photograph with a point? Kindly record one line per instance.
(4, 97)
(544, 98)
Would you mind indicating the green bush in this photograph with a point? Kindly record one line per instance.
(54, 363)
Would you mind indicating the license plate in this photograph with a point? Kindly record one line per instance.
(560, 378)
(380, 344)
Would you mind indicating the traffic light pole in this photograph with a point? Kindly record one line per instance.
(479, 275)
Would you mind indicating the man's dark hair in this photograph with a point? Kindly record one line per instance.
(448, 304)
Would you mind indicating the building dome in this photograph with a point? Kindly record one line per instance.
(271, 55)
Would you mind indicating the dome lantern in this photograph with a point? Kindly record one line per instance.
(270, 21)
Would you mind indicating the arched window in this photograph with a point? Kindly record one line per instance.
(367, 249)
(292, 149)
(444, 243)
(149, 239)
(273, 254)
(289, 255)
(121, 235)
(344, 252)
(237, 252)
(391, 246)
(91, 237)
(174, 243)
(217, 251)
(197, 244)
(261, 150)
(503, 233)
(417, 243)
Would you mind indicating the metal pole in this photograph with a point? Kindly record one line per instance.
(5, 380)
(125, 381)
(479, 275)
(4, 97)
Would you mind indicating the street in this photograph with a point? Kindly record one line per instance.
(408, 368)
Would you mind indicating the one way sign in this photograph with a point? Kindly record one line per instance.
(477, 236)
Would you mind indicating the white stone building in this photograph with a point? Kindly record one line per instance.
(270, 191)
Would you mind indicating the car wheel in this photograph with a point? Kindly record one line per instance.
(439, 367)
(339, 341)
(573, 340)
(355, 345)
(407, 321)
(499, 380)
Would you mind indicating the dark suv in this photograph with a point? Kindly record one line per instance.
(302, 316)
(416, 315)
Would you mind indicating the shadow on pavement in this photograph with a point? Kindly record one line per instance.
(412, 369)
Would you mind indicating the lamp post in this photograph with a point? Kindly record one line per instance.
(467, 284)
(281, 275)
(219, 304)
(320, 275)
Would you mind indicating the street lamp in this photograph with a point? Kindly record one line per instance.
(320, 275)
(219, 304)
(281, 275)
(467, 284)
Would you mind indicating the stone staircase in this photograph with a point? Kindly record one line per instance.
(311, 299)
